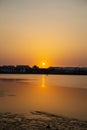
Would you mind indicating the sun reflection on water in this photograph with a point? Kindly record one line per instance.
(43, 81)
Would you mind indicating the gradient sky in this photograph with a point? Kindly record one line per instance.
(53, 31)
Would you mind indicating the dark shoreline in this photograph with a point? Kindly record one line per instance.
(43, 74)
(39, 121)
(25, 69)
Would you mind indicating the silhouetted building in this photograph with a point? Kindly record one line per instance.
(23, 68)
(55, 70)
(8, 69)
(83, 70)
(68, 69)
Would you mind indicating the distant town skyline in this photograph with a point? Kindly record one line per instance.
(43, 32)
(25, 69)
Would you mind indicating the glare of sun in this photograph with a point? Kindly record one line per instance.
(43, 63)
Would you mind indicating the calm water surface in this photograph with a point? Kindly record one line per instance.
(58, 94)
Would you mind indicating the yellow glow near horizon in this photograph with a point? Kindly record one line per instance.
(43, 63)
(48, 33)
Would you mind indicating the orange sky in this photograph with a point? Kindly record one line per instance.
(51, 31)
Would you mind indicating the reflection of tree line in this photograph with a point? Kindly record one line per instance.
(25, 69)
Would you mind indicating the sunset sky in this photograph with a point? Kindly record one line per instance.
(49, 31)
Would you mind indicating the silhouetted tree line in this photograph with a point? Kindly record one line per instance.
(25, 69)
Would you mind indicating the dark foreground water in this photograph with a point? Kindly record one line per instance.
(57, 94)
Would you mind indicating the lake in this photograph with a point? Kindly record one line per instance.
(58, 94)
